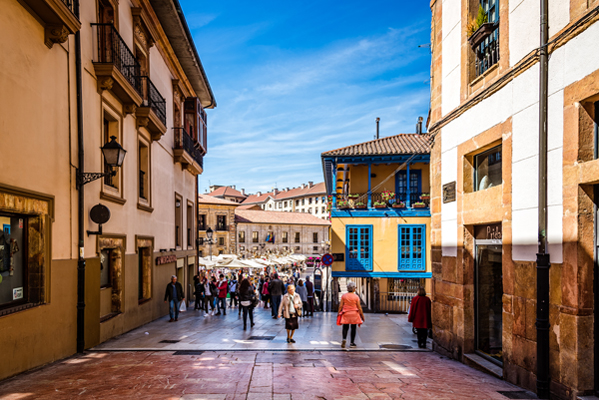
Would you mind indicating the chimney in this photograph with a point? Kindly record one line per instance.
(258, 194)
(419, 126)
(377, 128)
(310, 184)
(303, 185)
(243, 191)
(276, 191)
(232, 186)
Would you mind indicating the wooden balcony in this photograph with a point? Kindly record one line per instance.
(59, 18)
(187, 152)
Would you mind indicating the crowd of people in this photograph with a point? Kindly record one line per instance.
(289, 298)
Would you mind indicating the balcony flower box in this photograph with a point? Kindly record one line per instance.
(380, 204)
(481, 34)
(425, 196)
(419, 205)
(399, 205)
(360, 206)
(353, 196)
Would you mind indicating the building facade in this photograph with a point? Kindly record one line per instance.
(380, 218)
(140, 81)
(260, 231)
(308, 198)
(218, 215)
(228, 193)
(485, 109)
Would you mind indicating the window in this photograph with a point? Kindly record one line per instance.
(144, 267)
(105, 273)
(13, 266)
(303, 202)
(286, 248)
(297, 237)
(401, 184)
(285, 204)
(285, 237)
(241, 248)
(297, 248)
(241, 235)
(221, 251)
(255, 238)
(144, 171)
(178, 221)
(487, 169)
(310, 210)
(310, 200)
(202, 222)
(190, 225)
(412, 242)
(221, 241)
(221, 222)
(201, 241)
(324, 210)
(297, 202)
(359, 248)
(315, 237)
(315, 249)
(324, 199)
(487, 52)
(255, 249)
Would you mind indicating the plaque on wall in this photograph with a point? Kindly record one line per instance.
(449, 192)
(338, 257)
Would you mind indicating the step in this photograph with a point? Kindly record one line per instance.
(484, 365)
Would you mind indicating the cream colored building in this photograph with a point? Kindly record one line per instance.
(219, 216)
(142, 82)
(299, 233)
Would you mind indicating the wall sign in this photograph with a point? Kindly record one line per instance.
(488, 232)
(165, 259)
(339, 257)
(449, 192)
(17, 293)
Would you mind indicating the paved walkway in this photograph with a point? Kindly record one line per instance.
(255, 375)
(196, 331)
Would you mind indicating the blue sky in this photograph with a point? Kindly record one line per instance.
(295, 79)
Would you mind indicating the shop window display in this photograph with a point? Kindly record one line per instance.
(13, 270)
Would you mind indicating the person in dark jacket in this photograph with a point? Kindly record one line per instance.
(209, 291)
(310, 290)
(247, 295)
(174, 296)
(276, 288)
(420, 316)
(199, 293)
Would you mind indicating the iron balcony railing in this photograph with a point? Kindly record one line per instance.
(112, 49)
(185, 142)
(142, 189)
(72, 5)
(487, 53)
(360, 201)
(153, 98)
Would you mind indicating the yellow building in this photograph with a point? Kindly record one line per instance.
(219, 216)
(67, 284)
(380, 218)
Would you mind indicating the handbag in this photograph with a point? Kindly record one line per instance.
(182, 307)
(339, 318)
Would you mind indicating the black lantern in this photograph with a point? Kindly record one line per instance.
(209, 233)
(114, 154)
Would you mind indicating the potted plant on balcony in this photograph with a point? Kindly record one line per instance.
(380, 204)
(359, 205)
(353, 196)
(342, 204)
(478, 29)
(388, 196)
(425, 196)
(419, 204)
(399, 204)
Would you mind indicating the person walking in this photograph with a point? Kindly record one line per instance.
(420, 316)
(310, 289)
(174, 296)
(265, 293)
(209, 290)
(199, 294)
(276, 289)
(290, 308)
(350, 314)
(247, 296)
(222, 295)
(303, 294)
(233, 292)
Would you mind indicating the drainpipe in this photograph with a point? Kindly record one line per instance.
(81, 201)
(543, 260)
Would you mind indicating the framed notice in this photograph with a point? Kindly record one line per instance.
(449, 192)
(17, 293)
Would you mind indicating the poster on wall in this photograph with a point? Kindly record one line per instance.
(17, 293)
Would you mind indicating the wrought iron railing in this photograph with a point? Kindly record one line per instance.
(72, 5)
(142, 191)
(185, 142)
(112, 49)
(487, 53)
(360, 200)
(153, 98)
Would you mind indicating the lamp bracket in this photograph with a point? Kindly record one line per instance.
(84, 178)
(98, 232)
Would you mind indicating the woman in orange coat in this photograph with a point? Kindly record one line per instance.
(420, 316)
(350, 313)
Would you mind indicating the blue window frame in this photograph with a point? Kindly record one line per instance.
(412, 247)
(358, 248)
(401, 185)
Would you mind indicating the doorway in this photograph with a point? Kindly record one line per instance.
(596, 294)
(488, 300)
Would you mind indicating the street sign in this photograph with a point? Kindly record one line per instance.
(327, 260)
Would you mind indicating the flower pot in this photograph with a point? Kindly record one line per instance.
(419, 206)
(481, 34)
(360, 207)
(427, 197)
(399, 206)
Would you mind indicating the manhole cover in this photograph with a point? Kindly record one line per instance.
(188, 353)
(169, 341)
(261, 338)
(395, 347)
(517, 394)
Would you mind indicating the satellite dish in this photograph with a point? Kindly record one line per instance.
(100, 214)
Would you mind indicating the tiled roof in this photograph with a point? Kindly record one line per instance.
(277, 217)
(227, 191)
(404, 143)
(205, 199)
(252, 198)
(318, 189)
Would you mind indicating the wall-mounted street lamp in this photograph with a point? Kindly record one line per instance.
(113, 153)
(210, 240)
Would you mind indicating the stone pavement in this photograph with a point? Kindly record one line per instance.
(195, 331)
(258, 375)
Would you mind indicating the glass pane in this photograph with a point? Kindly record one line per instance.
(105, 268)
(489, 305)
(488, 169)
(12, 250)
